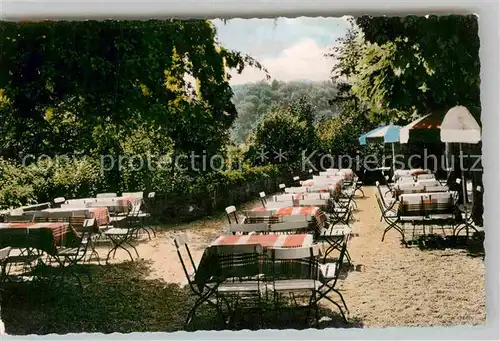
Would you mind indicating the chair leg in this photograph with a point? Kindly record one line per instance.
(338, 306)
(342, 298)
(132, 246)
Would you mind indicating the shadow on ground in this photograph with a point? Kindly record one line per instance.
(120, 299)
(474, 245)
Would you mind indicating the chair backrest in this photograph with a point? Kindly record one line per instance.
(4, 252)
(425, 176)
(406, 179)
(76, 202)
(381, 195)
(296, 217)
(258, 213)
(35, 207)
(291, 226)
(237, 249)
(296, 178)
(332, 170)
(340, 260)
(289, 198)
(279, 204)
(436, 188)
(84, 226)
(318, 195)
(19, 217)
(237, 261)
(247, 228)
(292, 263)
(381, 206)
(313, 202)
(62, 216)
(59, 200)
(296, 190)
(106, 195)
(263, 200)
(428, 182)
(282, 187)
(347, 172)
(133, 194)
(281, 253)
(181, 245)
(231, 210)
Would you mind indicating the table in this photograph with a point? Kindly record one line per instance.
(331, 185)
(42, 236)
(312, 211)
(296, 198)
(425, 204)
(101, 214)
(266, 240)
(116, 204)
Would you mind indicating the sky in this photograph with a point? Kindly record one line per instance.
(289, 48)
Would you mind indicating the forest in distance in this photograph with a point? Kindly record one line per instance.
(254, 100)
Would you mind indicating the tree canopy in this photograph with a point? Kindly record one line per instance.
(418, 63)
(83, 86)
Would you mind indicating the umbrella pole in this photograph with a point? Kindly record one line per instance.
(446, 155)
(464, 189)
(393, 159)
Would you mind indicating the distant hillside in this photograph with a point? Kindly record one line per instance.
(254, 100)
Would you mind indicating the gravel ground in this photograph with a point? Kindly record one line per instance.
(392, 285)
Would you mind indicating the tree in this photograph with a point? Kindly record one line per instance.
(419, 63)
(82, 88)
(283, 135)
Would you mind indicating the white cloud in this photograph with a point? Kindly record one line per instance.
(304, 60)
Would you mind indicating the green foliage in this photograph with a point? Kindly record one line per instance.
(121, 89)
(82, 87)
(418, 63)
(284, 134)
(16, 185)
(254, 101)
(45, 180)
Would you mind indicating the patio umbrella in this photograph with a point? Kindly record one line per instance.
(426, 128)
(384, 134)
(459, 126)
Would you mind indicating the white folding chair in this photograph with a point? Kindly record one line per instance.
(288, 226)
(332, 170)
(258, 214)
(296, 190)
(279, 204)
(249, 228)
(289, 198)
(317, 195)
(133, 194)
(231, 210)
(313, 202)
(263, 200)
(426, 176)
(106, 195)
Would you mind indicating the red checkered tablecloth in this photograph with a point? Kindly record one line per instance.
(312, 211)
(267, 241)
(44, 236)
(101, 214)
(116, 204)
